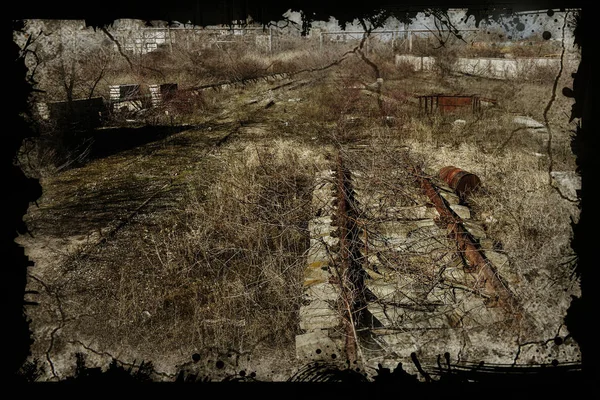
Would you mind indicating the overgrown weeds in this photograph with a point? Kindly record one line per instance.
(226, 273)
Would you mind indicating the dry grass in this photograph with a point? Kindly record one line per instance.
(224, 274)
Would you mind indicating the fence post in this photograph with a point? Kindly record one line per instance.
(321, 41)
(270, 40)
(410, 41)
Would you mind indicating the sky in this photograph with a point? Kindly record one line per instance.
(511, 27)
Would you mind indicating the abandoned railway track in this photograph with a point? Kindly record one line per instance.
(376, 275)
(396, 268)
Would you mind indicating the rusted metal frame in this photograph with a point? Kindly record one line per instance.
(499, 294)
(432, 103)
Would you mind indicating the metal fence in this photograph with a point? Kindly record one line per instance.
(148, 39)
(400, 39)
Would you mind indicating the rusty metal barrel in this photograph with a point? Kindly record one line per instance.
(461, 181)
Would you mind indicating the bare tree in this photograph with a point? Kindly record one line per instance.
(70, 62)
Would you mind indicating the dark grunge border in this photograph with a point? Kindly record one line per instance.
(20, 191)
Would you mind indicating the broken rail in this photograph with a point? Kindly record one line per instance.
(499, 294)
(346, 262)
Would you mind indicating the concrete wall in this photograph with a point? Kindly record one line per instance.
(503, 68)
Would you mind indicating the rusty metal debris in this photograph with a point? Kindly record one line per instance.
(488, 281)
(463, 182)
(349, 262)
(343, 266)
(445, 104)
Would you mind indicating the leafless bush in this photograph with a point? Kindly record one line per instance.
(54, 149)
(543, 74)
(535, 47)
(187, 102)
(404, 68)
(445, 60)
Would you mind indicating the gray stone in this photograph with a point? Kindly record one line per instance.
(459, 124)
(462, 211)
(451, 198)
(320, 226)
(383, 290)
(307, 345)
(317, 252)
(318, 315)
(390, 316)
(528, 122)
(474, 229)
(418, 212)
(568, 182)
(499, 260)
(322, 291)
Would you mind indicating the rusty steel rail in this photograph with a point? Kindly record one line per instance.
(240, 81)
(477, 263)
(348, 292)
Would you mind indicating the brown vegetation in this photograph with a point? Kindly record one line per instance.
(221, 270)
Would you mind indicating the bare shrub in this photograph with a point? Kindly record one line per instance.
(535, 47)
(187, 102)
(54, 149)
(445, 60)
(404, 69)
(543, 74)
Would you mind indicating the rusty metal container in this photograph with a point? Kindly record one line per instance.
(461, 181)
